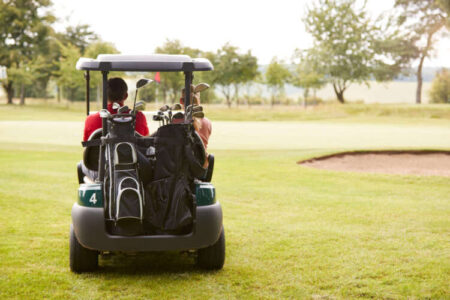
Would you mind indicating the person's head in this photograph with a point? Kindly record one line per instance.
(117, 90)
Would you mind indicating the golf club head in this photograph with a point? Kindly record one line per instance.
(123, 109)
(198, 114)
(178, 115)
(197, 108)
(140, 106)
(165, 107)
(142, 82)
(157, 118)
(189, 108)
(116, 105)
(104, 113)
(176, 106)
(201, 87)
(194, 108)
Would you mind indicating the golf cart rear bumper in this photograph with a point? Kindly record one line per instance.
(89, 227)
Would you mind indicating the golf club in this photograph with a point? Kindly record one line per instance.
(201, 87)
(140, 106)
(116, 106)
(157, 118)
(176, 106)
(104, 113)
(165, 107)
(198, 114)
(161, 115)
(123, 109)
(141, 82)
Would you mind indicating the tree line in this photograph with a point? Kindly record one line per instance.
(349, 46)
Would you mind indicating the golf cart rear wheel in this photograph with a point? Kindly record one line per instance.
(213, 257)
(81, 259)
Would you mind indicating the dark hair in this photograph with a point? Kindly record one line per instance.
(117, 89)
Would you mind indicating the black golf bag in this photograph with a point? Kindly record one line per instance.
(122, 184)
(179, 158)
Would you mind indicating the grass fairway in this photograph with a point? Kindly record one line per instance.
(291, 231)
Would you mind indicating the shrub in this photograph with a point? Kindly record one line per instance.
(440, 88)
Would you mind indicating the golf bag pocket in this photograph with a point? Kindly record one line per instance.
(181, 208)
(158, 201)
(170, 205)
(129, 200)
(126, 206)
(124, 153)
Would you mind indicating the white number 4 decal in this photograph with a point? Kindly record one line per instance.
(93, 198)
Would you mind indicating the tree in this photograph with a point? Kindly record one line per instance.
(445, 5)
(24, 32)
(276, 77)
(248, 71)
(424, 19)
(209, 77)
(440, 88)
(349, 47)
(43, 66)
(81, 36)
(306, 76)
(173, 82)
(32, 73)
(69, 79)
(232, 70)
(92, 51)
(226, 69)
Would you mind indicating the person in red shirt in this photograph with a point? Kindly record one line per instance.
(117, 92)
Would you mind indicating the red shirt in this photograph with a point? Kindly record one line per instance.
(94, 122)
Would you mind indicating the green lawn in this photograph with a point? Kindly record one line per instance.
(291, 231)
(41, 110)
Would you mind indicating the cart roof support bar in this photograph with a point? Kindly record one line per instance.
(101, 159)
(87, 77)
(187, 90)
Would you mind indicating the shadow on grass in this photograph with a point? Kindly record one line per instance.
(151, 263)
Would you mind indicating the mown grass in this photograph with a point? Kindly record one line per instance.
(291, 231)
(41, 110)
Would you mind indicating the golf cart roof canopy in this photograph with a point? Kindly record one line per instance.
(148, 63)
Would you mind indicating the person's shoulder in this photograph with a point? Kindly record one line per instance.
(206, 122)
(140, 114)
(93, 117)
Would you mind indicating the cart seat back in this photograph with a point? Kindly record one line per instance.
(91, 153)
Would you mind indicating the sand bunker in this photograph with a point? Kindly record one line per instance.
(427, 163)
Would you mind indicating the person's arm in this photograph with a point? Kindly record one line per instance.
(87, 128)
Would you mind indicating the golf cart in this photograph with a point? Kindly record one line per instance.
(146, 193)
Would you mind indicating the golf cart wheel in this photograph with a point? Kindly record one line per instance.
(81, 259)
(213, 257)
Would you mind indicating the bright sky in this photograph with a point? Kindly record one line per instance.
(268, 28)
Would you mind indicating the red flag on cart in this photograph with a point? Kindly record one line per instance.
(157, 77)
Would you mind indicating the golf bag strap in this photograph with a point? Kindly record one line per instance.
(96, 142)
(166, 141)
(116, 140)
(195, 166)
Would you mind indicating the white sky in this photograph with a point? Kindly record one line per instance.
(268, 28)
